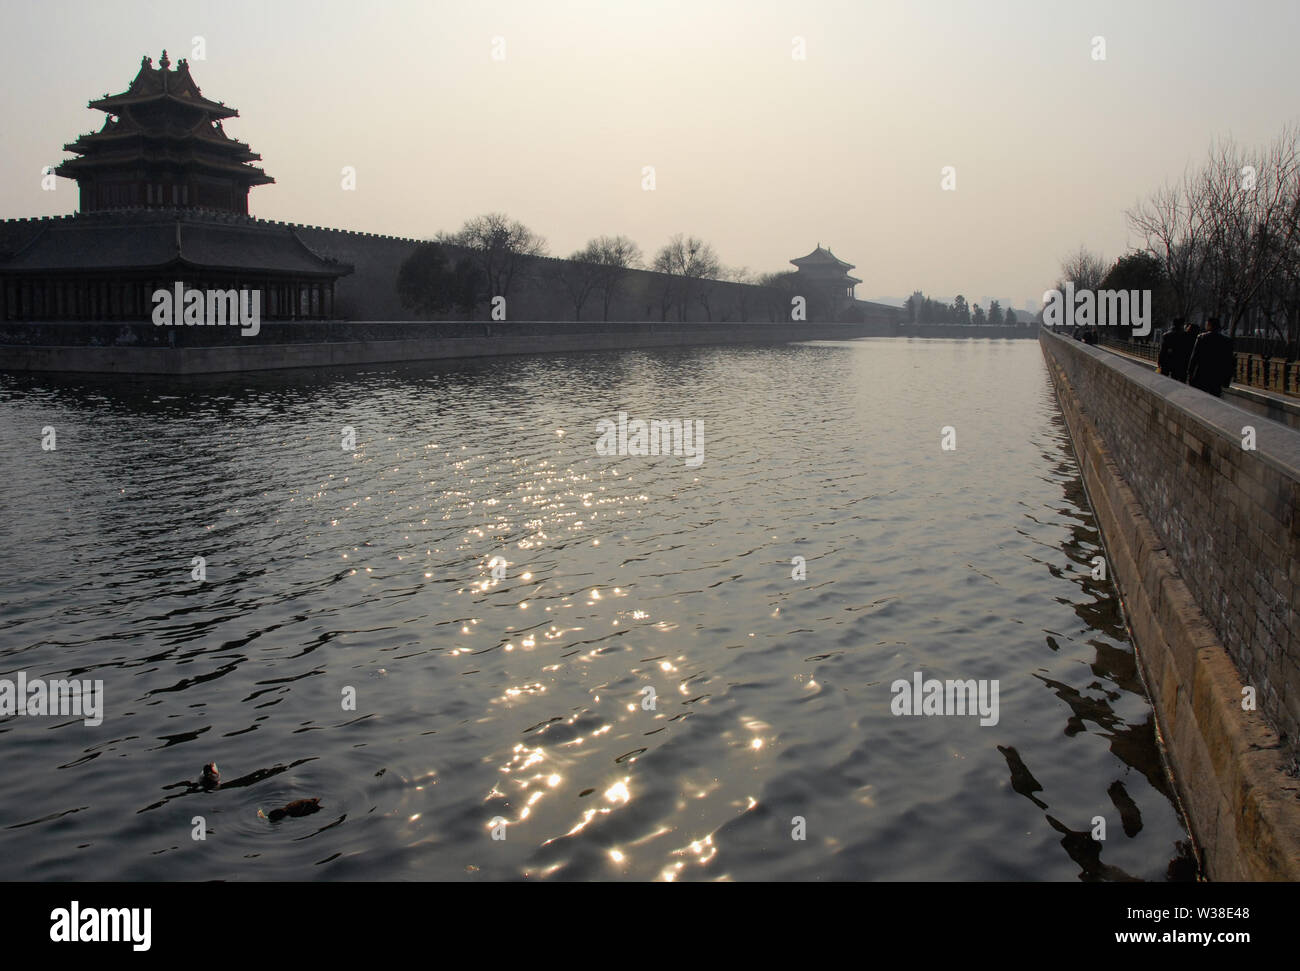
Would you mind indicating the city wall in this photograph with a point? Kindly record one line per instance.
(1203, 541)
(537, 290)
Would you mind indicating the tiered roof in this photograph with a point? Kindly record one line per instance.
(823, 264)
(163, 123)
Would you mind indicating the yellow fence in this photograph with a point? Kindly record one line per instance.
(1271, 373)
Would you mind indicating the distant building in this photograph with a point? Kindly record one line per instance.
(824, 280)
(823, 275)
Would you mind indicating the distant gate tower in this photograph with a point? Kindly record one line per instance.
(162, 145)
(823, 274)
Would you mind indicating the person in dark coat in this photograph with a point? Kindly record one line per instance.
(1213, 362)
(1171, 351)
(1190, 333)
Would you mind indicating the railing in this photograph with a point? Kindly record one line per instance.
(1142, 349)
(1272, 374)
(1253, 371)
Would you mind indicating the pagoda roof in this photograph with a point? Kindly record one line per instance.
(153, 84)
(161, 242)
(248, 174)
(125, 129)
(821, 257)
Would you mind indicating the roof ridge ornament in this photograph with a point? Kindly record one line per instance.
(163, 62)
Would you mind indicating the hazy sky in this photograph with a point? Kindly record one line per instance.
(759, 153)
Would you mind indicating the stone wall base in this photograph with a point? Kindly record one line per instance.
(1228, 766)
(255, 356)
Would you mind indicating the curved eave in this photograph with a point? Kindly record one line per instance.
(180, 263)
(324, 273)
(112, 103)
(821, 256)
(170, 135)
(72, 167)
(106, 142)
(812, 262)
(824, 273)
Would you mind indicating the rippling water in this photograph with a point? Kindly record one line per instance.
(523, 699)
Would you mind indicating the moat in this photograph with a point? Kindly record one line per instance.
(514, 698)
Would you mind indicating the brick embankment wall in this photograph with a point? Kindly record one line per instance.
(1203, 541)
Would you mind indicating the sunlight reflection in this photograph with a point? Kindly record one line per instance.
(618, 793)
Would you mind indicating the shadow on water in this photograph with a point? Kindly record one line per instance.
(501, 382)
(1135, 745)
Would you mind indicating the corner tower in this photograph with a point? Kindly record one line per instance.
(162, 145)
(823, 273)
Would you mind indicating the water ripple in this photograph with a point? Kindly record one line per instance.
(645, 691)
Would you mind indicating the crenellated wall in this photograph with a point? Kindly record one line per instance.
(537, 292)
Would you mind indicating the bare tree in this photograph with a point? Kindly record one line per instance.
(1173, 231)
(1084, 269)
(599, 267)
(665, 288)
(499, 246)
(705, 290)
(579, 275)
(614, 255)
(1250, 202)
(745, 292)
(692, 263)
(1228, 234)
